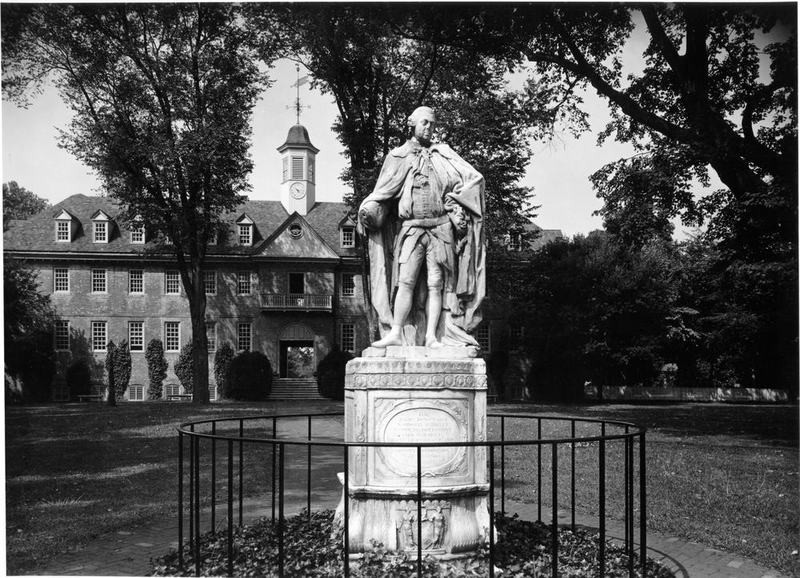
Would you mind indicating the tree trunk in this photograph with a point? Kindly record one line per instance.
(197, 311)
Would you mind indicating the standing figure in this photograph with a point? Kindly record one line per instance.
(426, 212)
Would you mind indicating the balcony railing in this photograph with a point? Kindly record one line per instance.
(296, 302)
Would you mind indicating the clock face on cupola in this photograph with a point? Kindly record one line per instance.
(298, 158)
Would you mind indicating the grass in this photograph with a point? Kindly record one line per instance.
(722, 475)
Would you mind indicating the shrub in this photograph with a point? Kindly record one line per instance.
(249, 377)
(156, 368)
(111, 353)
(330, 373)
(122, 368)
(184, 367)
(79, 378)
(222, 366)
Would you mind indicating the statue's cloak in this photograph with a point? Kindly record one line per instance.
(455, 180)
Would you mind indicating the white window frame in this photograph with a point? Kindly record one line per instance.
(131, 280)
(136, 392)
(100, 231)
(61, 333)
(63, 226)
(348, 289)
(244, 280)
(98, 327)
(133, 336)
(137, 233)
(210, 282)
(245, 234)
(348, 236)
(241, 337)
(57, 278)
(96, 279)
(167, 336)
(347, 331)
(169, 278)
(171, 389)
(211, 336)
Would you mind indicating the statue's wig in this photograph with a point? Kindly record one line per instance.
(414, 116)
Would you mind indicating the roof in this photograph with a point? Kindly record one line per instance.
(298, 138)
(37, 234)
(544, 236)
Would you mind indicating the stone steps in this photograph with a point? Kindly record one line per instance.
(288, 388)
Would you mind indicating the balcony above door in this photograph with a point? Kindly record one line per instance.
(296, 302)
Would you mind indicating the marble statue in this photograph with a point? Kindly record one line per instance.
(426, 213)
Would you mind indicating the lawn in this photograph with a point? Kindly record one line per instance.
(723, 475)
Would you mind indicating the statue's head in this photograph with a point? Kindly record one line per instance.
(422, 122)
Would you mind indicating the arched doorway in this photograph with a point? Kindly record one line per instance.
(298, 358)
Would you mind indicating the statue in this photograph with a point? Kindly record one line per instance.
(428, 209)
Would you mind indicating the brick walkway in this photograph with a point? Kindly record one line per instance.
(129, 553)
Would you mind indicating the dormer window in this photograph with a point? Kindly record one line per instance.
(137, 232)
(64, 227)
(100, 227)
(514, 242)
(348, 236)
(245, 230)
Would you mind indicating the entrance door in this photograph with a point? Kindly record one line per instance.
(297, 359)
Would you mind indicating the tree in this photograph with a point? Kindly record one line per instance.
(20, 203)
(156, 369)
(122, 368)
(162, 96)
(222, 365)
(111, 374)
(183, 367)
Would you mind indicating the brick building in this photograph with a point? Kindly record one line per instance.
(283, 278)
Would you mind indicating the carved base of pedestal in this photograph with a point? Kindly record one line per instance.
(450, 526)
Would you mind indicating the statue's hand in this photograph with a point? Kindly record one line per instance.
(459, 219)
(372, 215)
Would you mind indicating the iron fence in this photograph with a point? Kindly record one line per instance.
(261, 450)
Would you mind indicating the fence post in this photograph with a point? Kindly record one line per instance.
(180, 499)
(230, 507)
(643, 504)
(554, 488)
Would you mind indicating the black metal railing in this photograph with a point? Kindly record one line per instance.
(257, 442)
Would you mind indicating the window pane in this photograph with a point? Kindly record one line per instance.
(135, 281)
(136, 335)
(244, 283)
(62, 230)
(99, 340)
(136, 393)
(100, 232)
(245, 336)
(98, 280)
(348, 337)
(348, 237)
(137, 233)
(172, 335)
(61, 280)
(482, 337)
(210, 282)
(62, 335)
(348, 284)
(211, 334)
(172, 283)
(245, 234)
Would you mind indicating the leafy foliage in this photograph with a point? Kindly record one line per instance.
(79, 378)
(156, 369)
(111, 353)
(249, 377)
(331, 373)
(222, 364)
(183, 367)
(314, 548)
(122, 368)
(20, 203)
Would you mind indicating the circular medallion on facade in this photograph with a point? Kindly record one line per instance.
(295, 230)
(297, 190)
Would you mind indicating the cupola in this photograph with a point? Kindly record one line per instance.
(298, 191)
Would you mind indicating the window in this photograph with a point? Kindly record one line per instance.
(244, 285)
(101, 232)
(297, 168)
(62, 335)
(172, 336)
(212, 392)
(245, 234)
(171, 389)
(211, 335)
(137, 233)
(244, 336)
(136, 393)
(99, 336)
(63, 231)
(347, 337)
(311, 170)
(297, 283)
(135, 281)
(210, 282)
(136, 335)
(61, 280)
(285, 168)
(172, 283)
(348, 284)
(514, 242)
(99, 284)
(348, 237)
(482, 336)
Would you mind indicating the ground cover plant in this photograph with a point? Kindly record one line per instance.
(314, 548)
(78, 472)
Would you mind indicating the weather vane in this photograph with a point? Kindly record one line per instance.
(300, 81)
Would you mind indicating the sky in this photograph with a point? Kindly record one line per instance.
(559, 171)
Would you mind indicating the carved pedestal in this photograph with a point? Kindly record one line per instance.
(407, 397)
